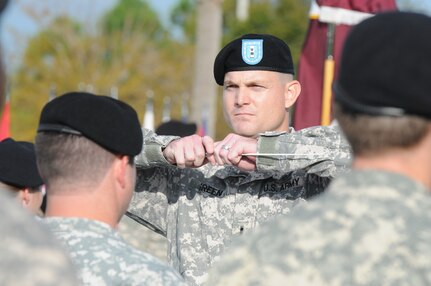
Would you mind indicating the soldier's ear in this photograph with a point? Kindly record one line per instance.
(120, 170)
(292, 90)
(25, 196)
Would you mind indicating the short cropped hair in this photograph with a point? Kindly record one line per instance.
(369, 134)
(70, 159)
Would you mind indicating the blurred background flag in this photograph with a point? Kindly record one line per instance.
(203, 127)
(114, 92)
(166, 116)
(330, 22)
(52, 92)
(184, 108)
(149, 111)
(5, 120)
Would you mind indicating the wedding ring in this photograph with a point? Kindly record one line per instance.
(225, 147)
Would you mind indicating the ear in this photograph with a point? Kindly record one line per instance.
(120, 170)
(25, 196)
(291, 92)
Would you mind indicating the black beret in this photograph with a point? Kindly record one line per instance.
(253, 52)
(111, 123)
(386, 66)
(177, 128)
(18, 164)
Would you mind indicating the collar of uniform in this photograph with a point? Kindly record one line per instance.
(276, 133)
(67, 224)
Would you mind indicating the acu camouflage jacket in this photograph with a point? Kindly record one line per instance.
(201, 210)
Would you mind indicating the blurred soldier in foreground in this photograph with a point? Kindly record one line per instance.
(19, 174)
(200, 210)
(372, 225)
(85, 147)
(29, 255)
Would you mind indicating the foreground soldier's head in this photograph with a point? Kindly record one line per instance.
(85, 147)
(19, 174)
(383, 95)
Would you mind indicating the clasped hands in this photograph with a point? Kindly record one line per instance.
(194, 151)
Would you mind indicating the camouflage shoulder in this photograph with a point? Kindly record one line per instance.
(29, 253)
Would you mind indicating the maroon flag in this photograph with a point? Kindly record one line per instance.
(5, 122)
(343, 14)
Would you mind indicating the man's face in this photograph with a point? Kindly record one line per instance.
(254, 102)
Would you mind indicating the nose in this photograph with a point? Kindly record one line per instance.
(242, 97)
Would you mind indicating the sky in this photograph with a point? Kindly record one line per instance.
(24, 18)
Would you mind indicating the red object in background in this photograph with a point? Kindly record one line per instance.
(5, 122)
(311, 62)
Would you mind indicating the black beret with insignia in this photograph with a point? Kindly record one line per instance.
(18, 164)
(386, 66)
(111, 123)
(253, 52)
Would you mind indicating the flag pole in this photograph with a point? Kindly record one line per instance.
(184, 108)
(166, 115)
(149, 111)
(52, 92)
(328, 76)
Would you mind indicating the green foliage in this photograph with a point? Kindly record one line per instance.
(131, 16)
(134, 53)
(183, 16)
(64, 56)
(286, 19)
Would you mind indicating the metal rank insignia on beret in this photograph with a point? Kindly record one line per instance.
(252, 51)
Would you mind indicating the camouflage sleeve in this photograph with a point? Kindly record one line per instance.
(322, 150)
(151, 154)
(149, 203)
(150, 200)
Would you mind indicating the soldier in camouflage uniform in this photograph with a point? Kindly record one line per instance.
(85, 147)
(29, 255)
(200, 210)
(19, 174)
(372, 225)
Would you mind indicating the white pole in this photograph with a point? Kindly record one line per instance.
(242, 7)
(149, 111)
